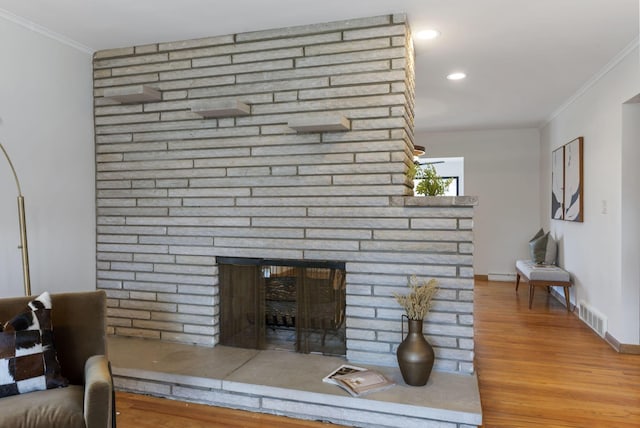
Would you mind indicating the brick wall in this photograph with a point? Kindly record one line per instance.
(175, 190)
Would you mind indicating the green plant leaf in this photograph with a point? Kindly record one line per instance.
(431, 184)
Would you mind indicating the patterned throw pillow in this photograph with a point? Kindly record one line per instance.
(28, 360)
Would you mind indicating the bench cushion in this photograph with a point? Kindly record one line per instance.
(536, 272)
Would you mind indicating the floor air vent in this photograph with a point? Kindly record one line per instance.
(593, 318)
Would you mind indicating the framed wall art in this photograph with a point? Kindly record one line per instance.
(567, 182)
(573, 181)
(557, 184)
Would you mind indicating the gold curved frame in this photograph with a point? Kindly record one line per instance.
(23, 228)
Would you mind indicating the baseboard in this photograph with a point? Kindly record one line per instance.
(504, 277)
(500, 277)
(626, 348)
(612, 341)
(623, 348)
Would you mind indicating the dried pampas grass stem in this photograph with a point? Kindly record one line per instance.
(418, 302)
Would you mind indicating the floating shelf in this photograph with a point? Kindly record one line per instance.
(320, 123)
(228, 108)
(133, 94)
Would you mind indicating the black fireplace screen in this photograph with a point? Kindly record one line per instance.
(282, 304)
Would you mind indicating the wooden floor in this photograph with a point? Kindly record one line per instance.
(544, 368)
(140, 411)
(537, 368)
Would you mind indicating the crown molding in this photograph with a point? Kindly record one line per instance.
(32, 26)
(593, 80)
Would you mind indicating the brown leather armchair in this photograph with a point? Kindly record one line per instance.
(79, 327)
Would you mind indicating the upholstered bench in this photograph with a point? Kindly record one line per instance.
(541, 275)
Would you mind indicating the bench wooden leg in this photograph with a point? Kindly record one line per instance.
(566, 297)
(517, 281)
(531, 290)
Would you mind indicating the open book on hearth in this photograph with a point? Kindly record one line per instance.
(342, 370)
(364, 382)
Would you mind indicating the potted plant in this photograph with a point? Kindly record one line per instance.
(430, 183)
(415, 355)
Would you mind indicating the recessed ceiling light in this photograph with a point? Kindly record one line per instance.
(427, 34)
(456, 76)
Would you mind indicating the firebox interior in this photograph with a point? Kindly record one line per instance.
(283, 304)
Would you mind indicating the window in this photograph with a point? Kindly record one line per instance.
(454, 186)
(447, 168)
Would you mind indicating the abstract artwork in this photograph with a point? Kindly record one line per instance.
(573, 191)
(557, 184)
(567, 182)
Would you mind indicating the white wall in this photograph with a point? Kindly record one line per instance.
(46, 126)
(501, 168)
(630, 210)
(591, 251)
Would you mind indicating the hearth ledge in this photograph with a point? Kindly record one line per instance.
(435, 201)
(287, 383)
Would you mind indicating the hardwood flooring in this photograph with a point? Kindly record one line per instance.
(536, 368)
(545, 368)
(141, 411)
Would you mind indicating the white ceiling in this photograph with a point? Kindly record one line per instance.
(524, 58)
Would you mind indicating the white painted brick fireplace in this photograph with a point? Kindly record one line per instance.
(175, 189)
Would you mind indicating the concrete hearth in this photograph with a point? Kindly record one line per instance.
(288, 383)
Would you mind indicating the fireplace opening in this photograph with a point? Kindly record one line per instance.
(283, 304)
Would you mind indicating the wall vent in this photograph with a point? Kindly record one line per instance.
(593, 318)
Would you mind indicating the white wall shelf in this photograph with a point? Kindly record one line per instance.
(226, 108)
(320, 123)
(133, 94)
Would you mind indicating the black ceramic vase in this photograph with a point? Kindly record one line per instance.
(415, 356)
